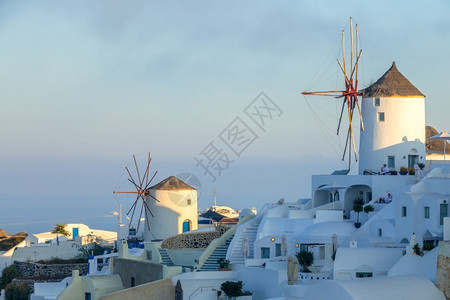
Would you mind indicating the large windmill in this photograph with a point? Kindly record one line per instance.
(350, 94)
(142, 191)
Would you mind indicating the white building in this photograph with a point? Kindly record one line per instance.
(175, 211)
(393, 111)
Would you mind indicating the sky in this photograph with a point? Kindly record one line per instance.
(84, 85)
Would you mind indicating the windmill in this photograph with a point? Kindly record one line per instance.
(142, 191)
(350, 94)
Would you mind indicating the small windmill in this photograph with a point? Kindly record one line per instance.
(142, 191)
(350, 94)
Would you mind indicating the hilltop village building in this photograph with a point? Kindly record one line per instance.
(357, 254)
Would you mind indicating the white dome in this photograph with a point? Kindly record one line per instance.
(327, 229)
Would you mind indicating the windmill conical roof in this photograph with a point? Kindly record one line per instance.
(171, 184)
(392, 84)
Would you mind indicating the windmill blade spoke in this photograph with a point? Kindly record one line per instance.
(147, 170)
(350, 114)
(343, 69)
(153, 197)
(355, 67)
(140, 216)
(148, 208)
(137, 170)
(135, 185)
(131, 177)
(134, 208)
(343, 53)
(346, 144)
(150, 181)
(351, 45)
(360, 115)
(134, 204)
(340, 117)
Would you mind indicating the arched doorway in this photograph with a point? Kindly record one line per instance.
(187, 225)
(358, 191)
(413, 158)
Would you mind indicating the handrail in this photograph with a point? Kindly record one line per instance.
(220, 241)
(200, 288)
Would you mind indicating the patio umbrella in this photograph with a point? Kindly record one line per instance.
(413, 241)
(335, 245)
(292, 270)
(444, 135)
(245, 247)
(283, 246)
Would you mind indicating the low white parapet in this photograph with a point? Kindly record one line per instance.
(328, 216)
(446, 228)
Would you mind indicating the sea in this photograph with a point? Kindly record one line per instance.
(40, 214)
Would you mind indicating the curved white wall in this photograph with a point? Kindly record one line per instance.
(170, 213)
(402, 130)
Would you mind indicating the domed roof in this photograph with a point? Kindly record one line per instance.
(327, 229)
(392, 84)
(171, 184)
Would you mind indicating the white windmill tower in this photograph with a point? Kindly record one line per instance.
(169, 207)
(175, 212)
(394, 118)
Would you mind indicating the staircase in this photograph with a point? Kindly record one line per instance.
(166, 260)
(220, 252)
(249, 232)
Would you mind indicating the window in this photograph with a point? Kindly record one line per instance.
(381, 117)
(304, 247)
(87, 296)
(265, 252)
(403, 211)
(380, 232)
(376, 102)
(321, 252)
(426, 212)
(188, 201)
(443, 212)
(391, 162)
(277, 249)
(363, 274)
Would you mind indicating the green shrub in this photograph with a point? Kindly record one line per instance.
(223, 263)
(368, 208)
(305, 259)
(232, 288)
(8, 274)
(428, 246)
(17, 291)
(61, 229)
(417, 250)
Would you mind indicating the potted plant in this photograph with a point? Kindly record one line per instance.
(403, 170)
(417, 250)
(421, 165)
(233, 290)
(357, 207)
(305, 259)
(411, 171)
(223, 264)
(368, 208)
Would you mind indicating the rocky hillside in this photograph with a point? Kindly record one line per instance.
(9, 241)
(434, 145)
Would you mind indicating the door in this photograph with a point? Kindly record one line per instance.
(186, 226)
(443, 212)
(74, 232)
(412, 160)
